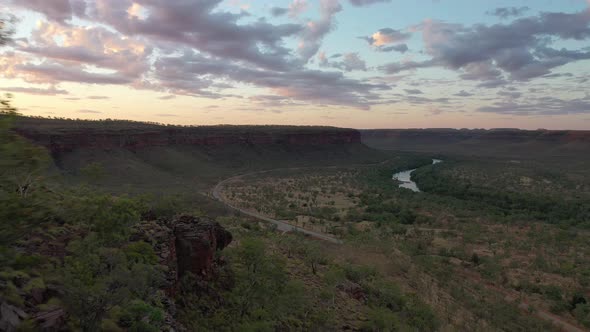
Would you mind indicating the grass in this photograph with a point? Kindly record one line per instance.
(515, 260)
(472, 261)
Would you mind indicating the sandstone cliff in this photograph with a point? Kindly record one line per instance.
(61, 136)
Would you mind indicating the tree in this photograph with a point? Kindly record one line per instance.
(381, 320)
(98, 278)
(22, 164)
(261, 277)
(475, 259)
(332, 278)
(313, 256)
(93, 172)
(22, 167)
(109, 217)
(293, 243)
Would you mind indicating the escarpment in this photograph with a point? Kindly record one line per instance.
(61, 136)
(493, 142)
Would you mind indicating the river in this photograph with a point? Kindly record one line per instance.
(405, 178)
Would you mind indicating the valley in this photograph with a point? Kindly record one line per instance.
(294, 166)
(487, 243)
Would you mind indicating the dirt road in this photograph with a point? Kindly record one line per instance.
(281, 225)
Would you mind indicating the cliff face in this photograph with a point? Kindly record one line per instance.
(184, 245)
(453, 135)
(68, 139)
(480, 142)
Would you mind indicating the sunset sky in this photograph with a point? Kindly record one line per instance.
(345, 63)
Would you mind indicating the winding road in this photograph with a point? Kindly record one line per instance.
(281, 225)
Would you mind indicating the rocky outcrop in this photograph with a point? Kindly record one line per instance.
(61, 136)
(196, 242)
(353, 290)
(53, 319)
(10, 317)
(185, 244)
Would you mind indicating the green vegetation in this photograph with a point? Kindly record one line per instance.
(490, 243)
(274, 287)
(103, 276)
(523, 200)
(78, 247)
(479, 234)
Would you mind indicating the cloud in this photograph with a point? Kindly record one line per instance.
(67, 52)
(360, 3)
(419, 100)
(517, 51)
(278, 11)
(315, 31)
(56, 73)
(199, 48)
(492, 84)
(463, 93)
(506, 12)
(396, 67)
(542, 106)
(36, 91)
(413, 91)
(352, 61)
(88, 111)
(217, 49)
(55, 10)
(297, 7)
(388, 40)
(386, 36)
(402, 48)
(510, 94)
(98, 97)
(199, 25)
(349, 62)
(188, 74)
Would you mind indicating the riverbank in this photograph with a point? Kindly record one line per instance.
(405, 177)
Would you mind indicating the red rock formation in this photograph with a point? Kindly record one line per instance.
(197, 241)
(67, 138)
(185, 245)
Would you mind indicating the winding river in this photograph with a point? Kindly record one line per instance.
(405, 178)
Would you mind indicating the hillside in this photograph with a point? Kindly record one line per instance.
(495, 142)
(139, 157)
(76, 257)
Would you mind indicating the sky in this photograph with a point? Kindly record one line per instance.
(345, 63)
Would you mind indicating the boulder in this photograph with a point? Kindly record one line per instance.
(197, 241)
(353, 289)
(51, 320)
(184, 244)
(10, 317)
